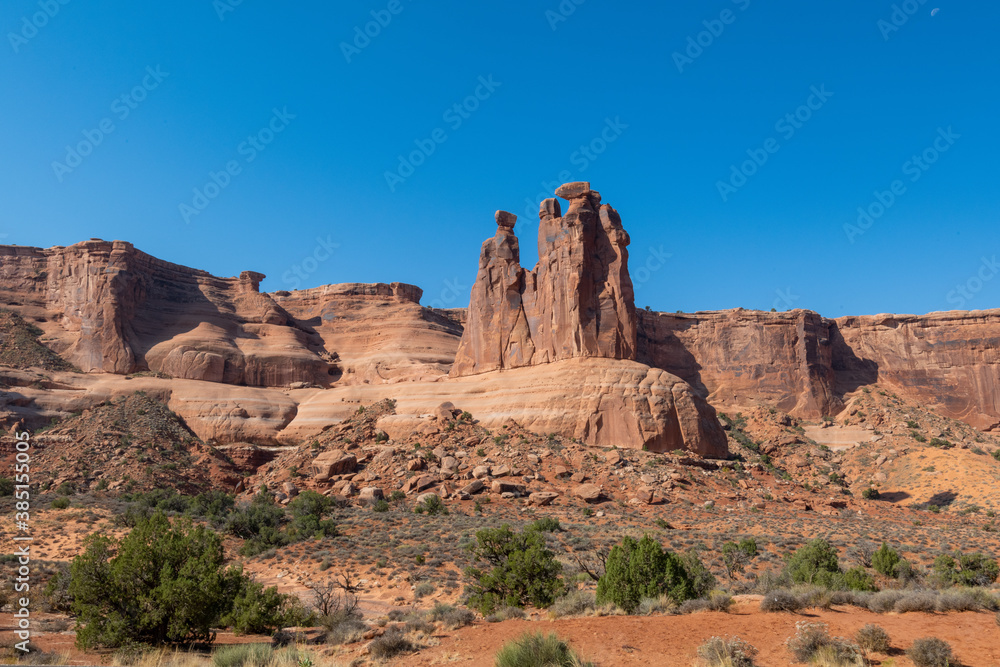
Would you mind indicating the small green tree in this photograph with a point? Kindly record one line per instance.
(885, 560)
(814, 563)
(257, 610)
(308, 509)
(735, 557)
(642, 569)
(702, 579)
(159, 584)
(517, 570)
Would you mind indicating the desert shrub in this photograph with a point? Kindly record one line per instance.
(849, 597)
(780, 600)
(660, 605)
(389, 645)
(431, 505)
(958, 600)
(521, 570)
(930, 652)
(873, 637)
(856, 579)
(814, 563)
(770, 580)
(916, 601)
(702, 579)
(546, 524)
(715, 602)
(161, 583)
(883, 602)
(727, 652)
(870, 493)
(308, 509)
(243, 655)
(505, 613)
(257, 610)
(259, 524)
(344, 625)
(735, 557)
(966, 569)
(885, 560)
(380, 505)
(60, 503)
(574, 603)
(642, 569)
(537, 650)
(812, 642)
(423, 589)
(6, 486)
(451, 617)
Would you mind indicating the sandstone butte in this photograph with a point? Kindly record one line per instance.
(559, 349)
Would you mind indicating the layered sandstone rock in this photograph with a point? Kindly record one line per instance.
(805, 364)
(577, 302)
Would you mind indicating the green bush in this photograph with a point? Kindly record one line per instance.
(537, 650)
(159, 584)
(871, 493)
(702, 579)
(814, 563)
(885, 560)
(258, 611)
(259, 524)
(60, 503)
(966, 569)
(856, 579)
(517, 570)
(308, 509)
(642, 569)
(432, 505)
(546, 524)
(930, 652)
(6, 487)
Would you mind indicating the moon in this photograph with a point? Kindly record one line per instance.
(935, 11)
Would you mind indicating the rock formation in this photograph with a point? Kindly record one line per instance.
(577, 302)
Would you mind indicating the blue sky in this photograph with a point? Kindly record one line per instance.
(300, 116)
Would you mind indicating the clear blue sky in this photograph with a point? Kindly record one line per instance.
(778, 239)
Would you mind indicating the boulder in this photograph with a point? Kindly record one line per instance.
(541, 498)
(590, 493)
(371, 494)
(473, 487)
(332, 463)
